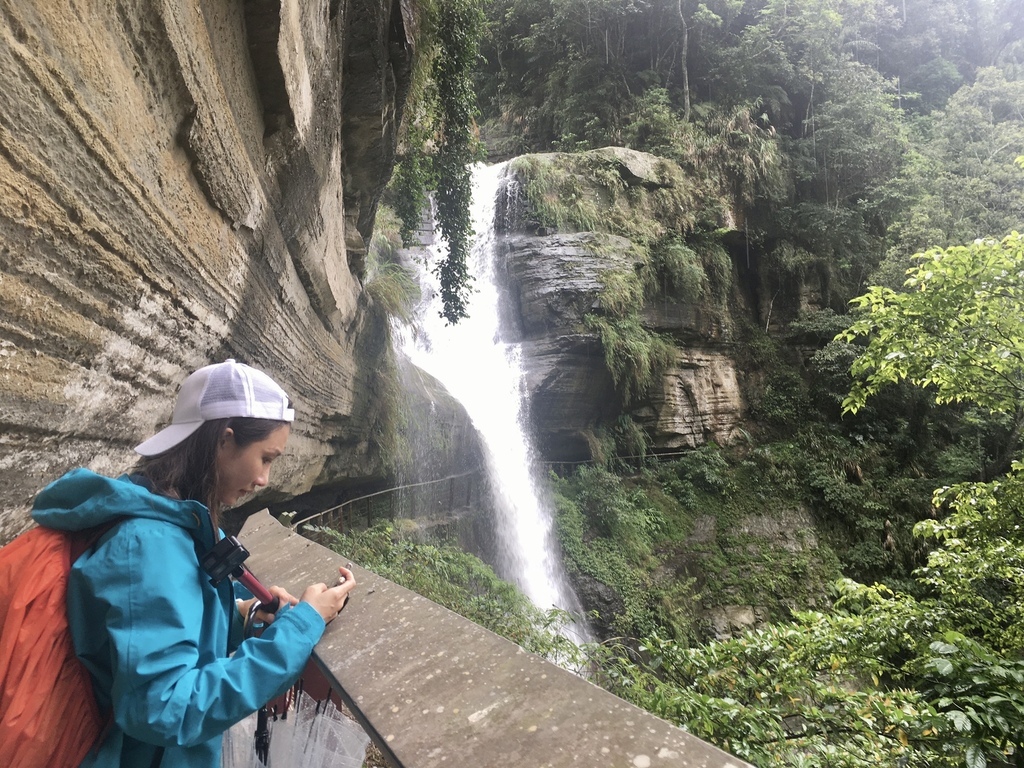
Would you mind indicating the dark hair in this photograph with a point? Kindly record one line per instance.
(188, 471)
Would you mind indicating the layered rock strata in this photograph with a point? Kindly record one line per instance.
(182, 182)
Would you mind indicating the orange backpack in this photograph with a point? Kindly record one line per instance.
(48, 712)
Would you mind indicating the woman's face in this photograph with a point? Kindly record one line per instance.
(240, 471)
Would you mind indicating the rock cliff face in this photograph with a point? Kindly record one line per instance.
(553, 282)
(555, 278)
(182, 182)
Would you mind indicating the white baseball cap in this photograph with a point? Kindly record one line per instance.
(220, 391)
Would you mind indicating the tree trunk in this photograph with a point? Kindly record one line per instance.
(686, 68)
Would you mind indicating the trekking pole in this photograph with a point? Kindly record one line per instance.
(262, 735)
(227, 558)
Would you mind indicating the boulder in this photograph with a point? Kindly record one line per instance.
(554, 280)
(637, 169)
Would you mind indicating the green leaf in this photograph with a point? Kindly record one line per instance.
(960, 721)
(975, 757)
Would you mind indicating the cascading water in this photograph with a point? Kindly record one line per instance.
(486, 375)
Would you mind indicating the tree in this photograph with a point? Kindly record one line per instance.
(961, 182)
(933, 679)
(459, 25)
(958, 328)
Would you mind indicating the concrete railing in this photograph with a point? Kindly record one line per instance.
(433, 689)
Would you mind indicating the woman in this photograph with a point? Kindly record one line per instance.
(162, 643)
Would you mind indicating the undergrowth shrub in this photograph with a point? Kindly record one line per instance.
(457, 580)
(634, 355)
(390, 286)
(705, 468)
(607, 533)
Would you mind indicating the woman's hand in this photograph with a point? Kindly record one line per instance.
(264, 616)
(329, 601)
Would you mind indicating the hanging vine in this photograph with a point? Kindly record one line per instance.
(440, 143)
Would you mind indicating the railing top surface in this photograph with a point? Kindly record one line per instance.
(436, 690)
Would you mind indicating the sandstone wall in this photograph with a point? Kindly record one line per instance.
(180, 182)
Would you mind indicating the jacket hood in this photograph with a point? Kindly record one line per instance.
(81, 499)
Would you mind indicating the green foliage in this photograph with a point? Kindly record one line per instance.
(443, 113)
(885, 678)
(782, 403)
(612, 562)
(704, 468)
(816, 327)
(978, 568)
(632, 443)
(979, 693)
(391, 287)
(622, 292)
(888, 678)
(588, 192)
(556, 193)
(757, 544)
(677, 540)
(392, 292)
(654, 125)
(961, 183)
(457, 580)
(733, 150)
(407, 191)
(459, 26)
(634, 356)
(678, 269)
(958, 328)
(698, 269)
(564, 72)
(617, 515)
(858, 142)
(738, 149)
(785, 691)
(717, 267)
(387, 235)
(878, 681)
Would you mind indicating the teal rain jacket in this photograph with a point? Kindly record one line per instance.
(155, 633)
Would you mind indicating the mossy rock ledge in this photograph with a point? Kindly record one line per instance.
(571, 228)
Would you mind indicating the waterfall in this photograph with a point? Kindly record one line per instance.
(485, 373)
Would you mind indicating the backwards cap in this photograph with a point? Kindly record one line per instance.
(220, 391)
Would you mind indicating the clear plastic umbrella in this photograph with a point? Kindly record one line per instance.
(310, 734)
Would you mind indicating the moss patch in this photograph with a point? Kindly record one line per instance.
(593, 192)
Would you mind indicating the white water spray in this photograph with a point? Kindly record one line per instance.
(486, 375)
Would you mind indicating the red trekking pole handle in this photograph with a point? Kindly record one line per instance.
(268, 601)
